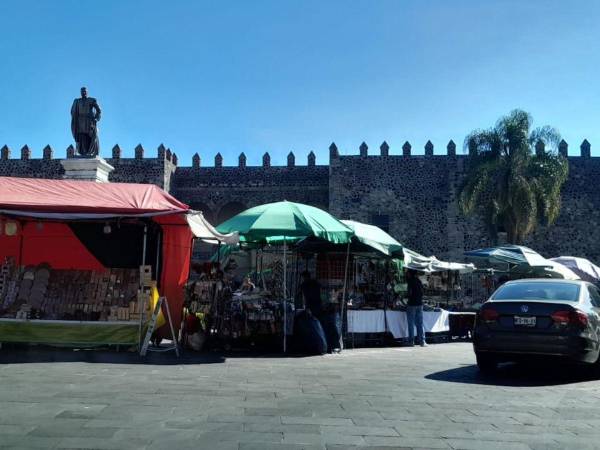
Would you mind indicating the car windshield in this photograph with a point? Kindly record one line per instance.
(538, 291)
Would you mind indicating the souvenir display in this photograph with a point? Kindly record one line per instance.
(40, 292)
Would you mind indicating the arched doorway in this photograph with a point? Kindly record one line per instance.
(229, 210)
(206, 211)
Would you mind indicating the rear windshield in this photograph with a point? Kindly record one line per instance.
(538, 291)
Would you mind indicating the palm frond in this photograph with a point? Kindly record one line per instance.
(507, 182)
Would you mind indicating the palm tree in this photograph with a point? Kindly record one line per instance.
(512, 186)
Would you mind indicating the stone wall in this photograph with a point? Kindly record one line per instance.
(414, 196)
(577, 230)
(221, 192)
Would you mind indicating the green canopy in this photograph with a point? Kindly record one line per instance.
(374, 237)
(286, 221)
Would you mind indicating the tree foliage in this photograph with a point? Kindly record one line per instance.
(514, 187)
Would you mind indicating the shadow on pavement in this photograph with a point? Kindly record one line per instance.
(28, 354)
(521, 374)
(42, 354)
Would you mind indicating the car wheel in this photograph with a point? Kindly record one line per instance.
(486, 363)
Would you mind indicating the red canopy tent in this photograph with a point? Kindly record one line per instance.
(39, 212)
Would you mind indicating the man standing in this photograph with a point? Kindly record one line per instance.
(414, 309)
(85, 113)
(311, 291)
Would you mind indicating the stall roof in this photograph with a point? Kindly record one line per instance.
(374, 237)
(519, 259)
(415, 261)
(203, 230)
(586, 269)
(67, 199)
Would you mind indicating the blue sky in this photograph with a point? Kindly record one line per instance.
(256, 76)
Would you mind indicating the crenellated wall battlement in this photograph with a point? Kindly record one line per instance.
(165, 154)
(139, 169)
(413, 196)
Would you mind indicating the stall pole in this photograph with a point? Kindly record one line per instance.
(344, 296)
(158, 253)
(144, 245)
(21, 231)
(284, 296)
(256, 276)
(143, 306)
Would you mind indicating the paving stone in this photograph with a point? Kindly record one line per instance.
(252, 446)
(294, 412)
(203, 425)
(14, 441)
(238, 436)
(360, 431)
(70, 431)
(11, 429)
(406, 442)
(366, 447)
(99, 443)
(464, 444)
(287, 428)
(245, 419)
(317, 420)
(363, 398)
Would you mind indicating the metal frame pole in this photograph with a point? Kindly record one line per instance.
(284, 296)
(143, 306)
(144, 245)
(343, 308)
(158, 254)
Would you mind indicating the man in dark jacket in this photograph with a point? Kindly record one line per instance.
(311, 291)
(414, 309)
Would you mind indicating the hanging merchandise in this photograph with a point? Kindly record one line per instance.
(218, 316)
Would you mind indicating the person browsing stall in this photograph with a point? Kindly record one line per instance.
(414, 309)
(248, 286)
(311, 291)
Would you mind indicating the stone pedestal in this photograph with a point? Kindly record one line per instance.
(87, 169)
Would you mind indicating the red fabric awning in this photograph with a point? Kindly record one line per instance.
(55, 243)
(67, 199)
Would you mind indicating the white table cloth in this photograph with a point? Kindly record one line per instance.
(374, 321)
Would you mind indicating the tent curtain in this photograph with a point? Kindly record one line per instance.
(177, 252)
(122, 248)
(51, 243)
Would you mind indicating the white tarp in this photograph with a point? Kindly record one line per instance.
(558, 270)
(586, 269)
(415, 261)
(374, 321)
(205, 231)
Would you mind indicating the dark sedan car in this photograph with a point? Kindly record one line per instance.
(547, 317)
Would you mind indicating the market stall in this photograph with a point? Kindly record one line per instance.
(369, 314)
(272, 232)
(78, 259)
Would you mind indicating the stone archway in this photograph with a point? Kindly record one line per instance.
(229, 210)
(206, 211)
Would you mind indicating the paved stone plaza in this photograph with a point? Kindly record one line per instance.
(362, 399)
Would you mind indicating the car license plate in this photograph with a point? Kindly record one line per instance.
(525, 321)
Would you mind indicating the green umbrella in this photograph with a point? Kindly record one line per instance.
(286, 221)
(374, 237)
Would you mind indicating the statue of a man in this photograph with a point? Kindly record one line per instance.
(85, 113)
